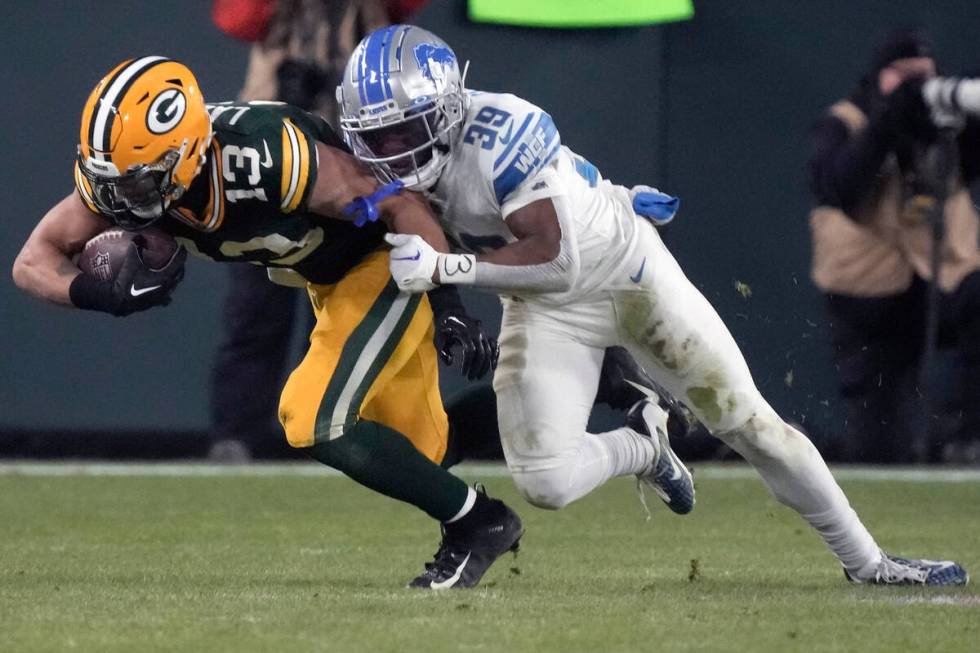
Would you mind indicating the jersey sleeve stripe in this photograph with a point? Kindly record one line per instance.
(533, 153)
(214, 212)
(304, 170)
(217, 194)
(299, 168)
(84, 190)
(290, 151)
(513, 141)
(287, 163)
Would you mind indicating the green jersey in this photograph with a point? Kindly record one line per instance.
(248, 202)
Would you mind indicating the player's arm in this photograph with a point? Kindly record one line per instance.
(44, 267)
(523, 185)
(542, 259)
(341, 178)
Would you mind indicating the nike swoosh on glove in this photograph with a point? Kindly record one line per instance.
(412, 262)
(135, 288)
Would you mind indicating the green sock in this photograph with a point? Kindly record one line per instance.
(385, 461)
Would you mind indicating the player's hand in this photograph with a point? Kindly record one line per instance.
(135, 288)
(412, 262)
(478, 350)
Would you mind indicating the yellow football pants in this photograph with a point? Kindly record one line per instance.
(371, 357)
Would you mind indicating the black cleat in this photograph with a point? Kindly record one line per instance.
(470, 545)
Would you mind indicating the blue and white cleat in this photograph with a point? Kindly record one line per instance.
(667, 475)
(893, 570)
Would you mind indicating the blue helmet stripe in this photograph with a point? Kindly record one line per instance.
(390, 35)
(513, 141)
(360, 72)
(374, 56)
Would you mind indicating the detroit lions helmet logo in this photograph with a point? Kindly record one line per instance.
(433, 60)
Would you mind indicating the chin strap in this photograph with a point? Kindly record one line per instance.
(364, 209)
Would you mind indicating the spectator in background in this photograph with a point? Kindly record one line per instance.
(872, 243)
(299, 51)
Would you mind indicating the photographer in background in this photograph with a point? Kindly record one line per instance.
(873, 173)
(299, 51)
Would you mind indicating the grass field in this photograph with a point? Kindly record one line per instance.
(285, 562)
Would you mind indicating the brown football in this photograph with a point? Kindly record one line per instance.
(105, 253)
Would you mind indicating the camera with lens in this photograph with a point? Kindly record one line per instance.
(952, 100)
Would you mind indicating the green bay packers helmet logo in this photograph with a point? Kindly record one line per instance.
(165, 111)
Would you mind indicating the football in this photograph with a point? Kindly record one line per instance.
(103, 255)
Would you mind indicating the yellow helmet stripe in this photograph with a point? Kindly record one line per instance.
(296, 174)
(107, 105)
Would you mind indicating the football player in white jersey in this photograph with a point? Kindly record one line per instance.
(579, 266)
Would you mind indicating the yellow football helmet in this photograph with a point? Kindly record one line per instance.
(145, 132)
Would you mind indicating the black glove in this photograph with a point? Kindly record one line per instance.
(135, 288)
(479, 350)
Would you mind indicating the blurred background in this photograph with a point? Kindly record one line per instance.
(714, 109)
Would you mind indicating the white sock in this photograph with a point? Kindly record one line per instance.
(467, 506)
(797, 475)
(629, 452)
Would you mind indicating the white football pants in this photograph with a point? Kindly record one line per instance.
(546, 381)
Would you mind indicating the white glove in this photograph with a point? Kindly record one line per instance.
(412, 262)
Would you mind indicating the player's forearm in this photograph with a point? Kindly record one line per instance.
(533, 264)
(45, 272)
(543, 259)
(408, 213)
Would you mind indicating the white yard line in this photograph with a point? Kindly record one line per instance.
(705, 471)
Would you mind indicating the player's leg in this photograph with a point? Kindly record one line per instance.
(410, 403)
(545, 383)
(473, 430)
(361, 321)
(673, 329)
(365, 401)
(679, 338)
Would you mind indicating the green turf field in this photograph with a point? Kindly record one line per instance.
(315, 563)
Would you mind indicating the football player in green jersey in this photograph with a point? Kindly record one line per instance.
(266, 183)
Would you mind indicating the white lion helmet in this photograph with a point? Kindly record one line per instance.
(402, 104)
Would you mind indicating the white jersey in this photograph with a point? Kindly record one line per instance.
(510, 155)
